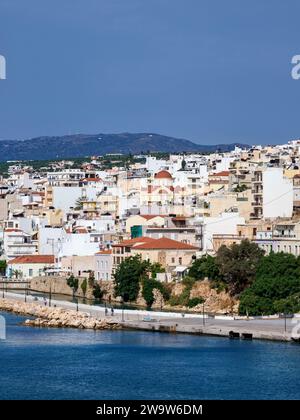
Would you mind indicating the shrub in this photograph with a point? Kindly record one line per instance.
(97, 292)
(84, 286)
(147, 292)
(195, 301)
(203, 267)
(73, 282)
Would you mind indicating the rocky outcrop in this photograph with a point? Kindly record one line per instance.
(215, 302)
(56, 317)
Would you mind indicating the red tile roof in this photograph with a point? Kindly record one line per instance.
(150, 216)
(104, 252)
(165, 243)
(134, 241)
(222, 173)
(33, 259)
(163, 175)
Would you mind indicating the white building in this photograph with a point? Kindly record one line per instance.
(225, 224)
(277, 194)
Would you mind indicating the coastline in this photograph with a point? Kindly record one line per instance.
(65, 314)
(55, 317)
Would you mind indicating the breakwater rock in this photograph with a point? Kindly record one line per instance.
(45, 316)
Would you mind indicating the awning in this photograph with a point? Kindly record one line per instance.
(180, 269)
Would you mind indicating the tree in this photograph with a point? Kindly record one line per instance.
(203, 267)
(97, 291)
(84, 286)
(91, 280)
(156, 268)
(240, 188)
(3, 266)
(73, 282)
(276, 288)
(128, 276)
(148, 286)
(79, 203)
(238, 264)
(17, 273)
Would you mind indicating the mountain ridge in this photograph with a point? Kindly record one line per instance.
(80, 145)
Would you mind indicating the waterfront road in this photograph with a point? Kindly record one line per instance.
(271, 328)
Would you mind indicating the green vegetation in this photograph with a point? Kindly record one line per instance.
(128, 276)
(147, 292)
(240, 188)
(97, 291)
(276, 288)
(195, 301)
(184, 298)
(133, 273)
(3, 266)
(238, 263)
(84, 286)
(73, 282)
(79, 203)
(203, 267)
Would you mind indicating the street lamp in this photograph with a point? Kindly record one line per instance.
(50, 294)
(123, 309)
(284, 321)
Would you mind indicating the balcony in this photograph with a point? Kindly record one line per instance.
(289, 236)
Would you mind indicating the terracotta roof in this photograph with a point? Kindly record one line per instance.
(104, 252)
(38, 193)
(150, 216)
(163, 175)
(165, 243)
(80, 230)
(12, 230)
(33, 259)
(222, 173)
(134, 241)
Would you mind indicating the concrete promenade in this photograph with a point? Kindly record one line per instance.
(268, 329)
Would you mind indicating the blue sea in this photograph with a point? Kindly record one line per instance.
(79, 364)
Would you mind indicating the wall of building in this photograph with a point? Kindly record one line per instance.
(277, 194)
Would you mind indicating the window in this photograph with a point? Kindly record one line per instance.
(173, 260)
(180, 260)
(30, 272)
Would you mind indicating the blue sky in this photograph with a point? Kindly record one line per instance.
(211, 71)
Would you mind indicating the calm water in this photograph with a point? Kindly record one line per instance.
(73, 364)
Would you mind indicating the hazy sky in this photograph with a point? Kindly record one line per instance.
(211, 71)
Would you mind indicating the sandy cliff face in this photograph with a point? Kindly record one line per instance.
(215, 302)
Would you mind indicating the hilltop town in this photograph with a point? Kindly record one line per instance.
(81, 219)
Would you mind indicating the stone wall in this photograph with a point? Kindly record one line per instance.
(59, 285)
